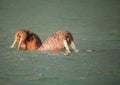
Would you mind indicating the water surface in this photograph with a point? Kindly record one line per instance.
(95, 25)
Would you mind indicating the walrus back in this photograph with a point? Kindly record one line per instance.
(55, 41)
(33, 42)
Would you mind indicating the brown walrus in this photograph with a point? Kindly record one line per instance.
(59, 40)
(27, 40)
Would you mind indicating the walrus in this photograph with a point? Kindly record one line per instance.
(58, 41)
(26, 40)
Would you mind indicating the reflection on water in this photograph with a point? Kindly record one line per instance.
(94, 25)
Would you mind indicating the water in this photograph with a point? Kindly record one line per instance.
(95, 25)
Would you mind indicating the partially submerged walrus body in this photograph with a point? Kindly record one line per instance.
(60, 40)
(26, 40)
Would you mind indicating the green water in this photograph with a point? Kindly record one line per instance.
(95, 25)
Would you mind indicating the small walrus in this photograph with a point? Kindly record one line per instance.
(26, 40)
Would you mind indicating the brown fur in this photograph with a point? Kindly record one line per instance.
(55, 42)
(30, 40)
(59, 41)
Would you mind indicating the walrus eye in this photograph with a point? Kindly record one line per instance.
(18, 36)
